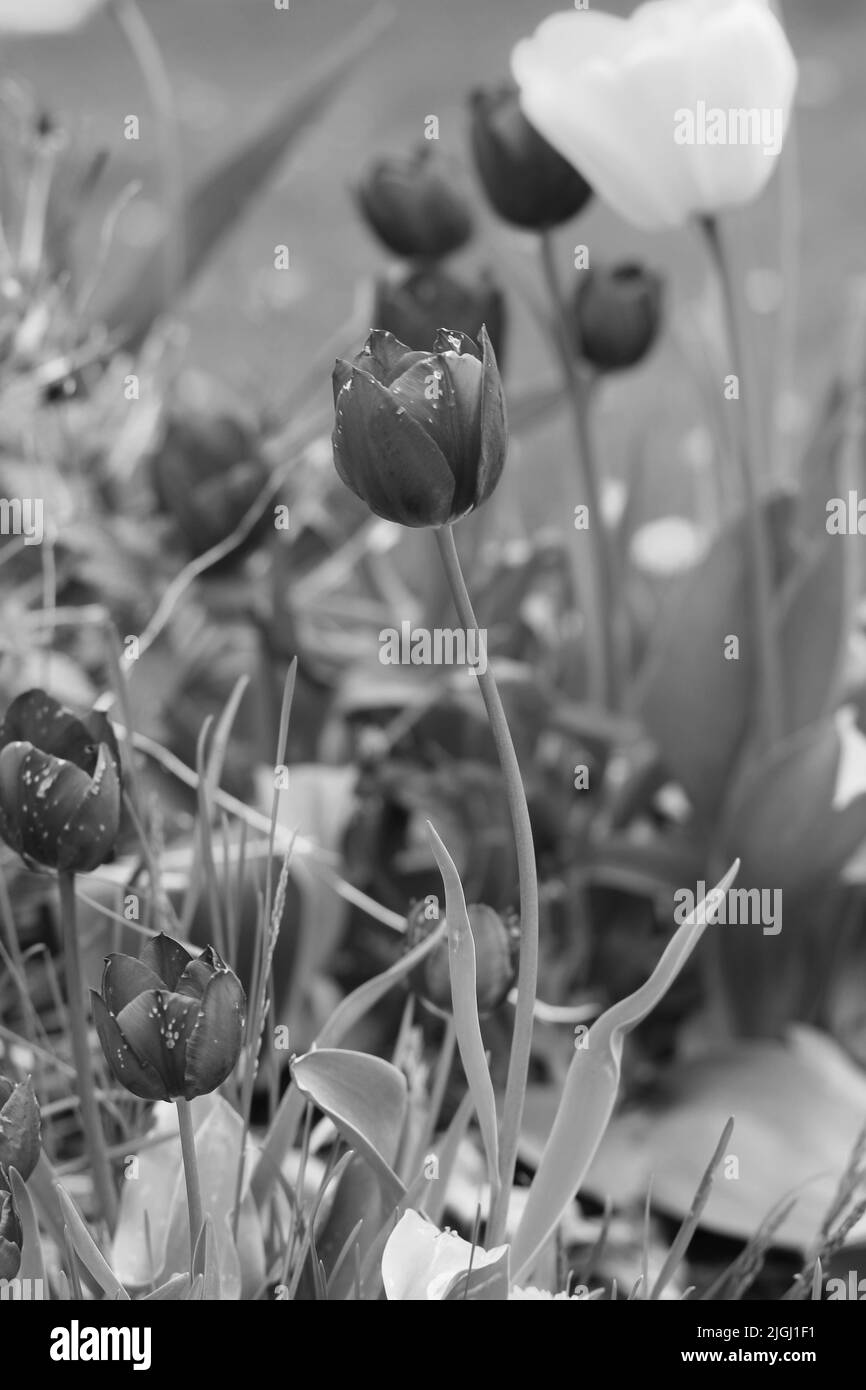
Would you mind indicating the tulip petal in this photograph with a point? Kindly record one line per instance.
(130, 1070)
(11, 759)
(158, 1025)
(494, 426)
(453, 340)
(20, 1130)
(384, 357)
(36, 718)
(428, 388)
(387, 459)
(215, 1041)
(87, 837)
(49, 790)
(166, 958)
(420, 1262)
(124, 977)
(609, 94)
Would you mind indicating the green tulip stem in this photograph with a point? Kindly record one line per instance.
(589, 554)
(151, 64)
(521, 1041)
(75, 998)
(749, 452)
(190, 1172)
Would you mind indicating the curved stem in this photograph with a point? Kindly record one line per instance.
(151, 64)
(591, 564)
(521, 1039)
(75, 1000)
(190, 1172)
(749, 452)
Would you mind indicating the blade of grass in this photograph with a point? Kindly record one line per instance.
(591, 1088)
(464, 1001)
(683, 1237)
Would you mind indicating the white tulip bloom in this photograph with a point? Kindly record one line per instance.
(680, 110)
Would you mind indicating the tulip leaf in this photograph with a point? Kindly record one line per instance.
(32, 1259)
(464, 999)
(172, 1290)
(357, 1211)
(205, 1262)
(87, 1251)
(591, 1087)
(366, 1097)
(227, 190)
(696, 704)
(813, 632)
(154, 1218)
(348, 1012)
(794, 843)
(781, 819)
(799, 1103)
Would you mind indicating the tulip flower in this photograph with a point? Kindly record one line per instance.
(45, 16)
(414, 307)
(413, 206)
(496, 952)
(420, 437)
(11, 1237)
(59, 784)
(616, 314)
(170, 1024)
(680, 110)
(207, 473)
(20, 1136)
(526, 180)
(422, 1263)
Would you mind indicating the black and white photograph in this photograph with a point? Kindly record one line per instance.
(433, 668)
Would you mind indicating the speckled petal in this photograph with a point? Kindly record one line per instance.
(158, 1025)
(87, 837)
(124, 977)
(132, 1071)
(20, 1129)
(36, 718)
(166, 958)
(214, 1047)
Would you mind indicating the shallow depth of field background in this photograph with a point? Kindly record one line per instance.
(232, 59)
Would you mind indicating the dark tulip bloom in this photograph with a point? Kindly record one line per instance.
(413, 207)
(170, 1024)
(420, 437)
(414, 308)
(59, 784)
(617, 313)
(526, 180)
(207, 473)
(11, 1237)
(20, 1127)
(496, 955)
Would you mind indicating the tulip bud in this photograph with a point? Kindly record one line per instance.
(208, 472)
(496, 953)
(11, 1237)
(20, 1129)
(412, 309)
(59, 784)
(527, 182)
(616, 314)
(413, 207)
(420, 437)
(170, 1024)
